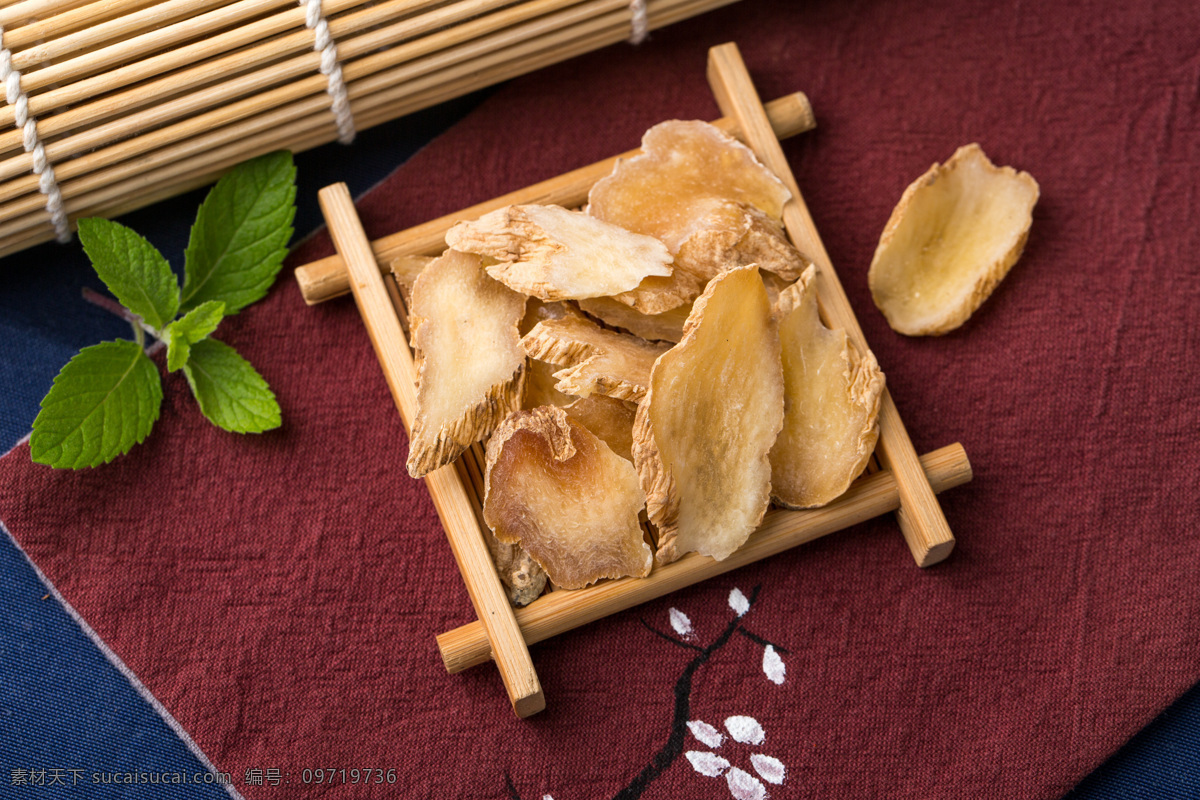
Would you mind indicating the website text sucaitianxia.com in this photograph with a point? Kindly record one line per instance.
(46, 777)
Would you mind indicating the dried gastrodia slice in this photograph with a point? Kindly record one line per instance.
(664, 327)
(555, 254)
(955, 234)
(608, 418)
(830, 408)
(469, 359)
(559, 491)
(523, 579)
(708, 198)
(703, 433)
(595, 360)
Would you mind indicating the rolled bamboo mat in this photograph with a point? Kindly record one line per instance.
(114, 104)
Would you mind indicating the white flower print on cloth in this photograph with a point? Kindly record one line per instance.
(744, 730)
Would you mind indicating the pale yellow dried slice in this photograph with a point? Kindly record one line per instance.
(541, 386)
(703, 433)
(559, 491)
(537, 311)
(708, 198)
(523, 578)
(608, 418)
(831, 404)
(595, 359)
(551, 253)
(407, 268)
(664, 327)
(955, 234)
(469, 359)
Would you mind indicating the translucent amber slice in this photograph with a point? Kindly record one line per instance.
(551, 253)
(561, 493)
(595, 359)
(610, 419)
(831, 404)
(708, 198)
(955, 234)
(664, 327)
(703, 433)
(469, 359)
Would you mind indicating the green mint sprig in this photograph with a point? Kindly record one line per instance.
(107, 398)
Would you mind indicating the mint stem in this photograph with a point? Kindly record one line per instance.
(113, 307)
(140, 328)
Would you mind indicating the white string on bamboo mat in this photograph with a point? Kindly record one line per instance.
(17, 98)
(331, 68)
(641, 24)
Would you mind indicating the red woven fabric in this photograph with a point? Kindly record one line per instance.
(280, 594)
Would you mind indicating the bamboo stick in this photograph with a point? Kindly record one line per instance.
(30, 11)
(117, 198)
(553, 614)
(205, 71)
(922, 521)
(445, 487)
(481, 54)
(69, 21)
(209, 107)
(276, 116)
(326, 278)
(132, 35)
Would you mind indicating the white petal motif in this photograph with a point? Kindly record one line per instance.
(706, 733)
(707, 764)
(738, 602)
(744, 786)
(772, 770)
(680, 622)
(773, 666)
(745, 730)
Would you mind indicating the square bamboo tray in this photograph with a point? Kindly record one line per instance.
(906, 484)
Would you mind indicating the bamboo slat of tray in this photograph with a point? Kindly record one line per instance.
(325, 279)
(144, 175)
(553, 614)
(446, 487)
(921, 519)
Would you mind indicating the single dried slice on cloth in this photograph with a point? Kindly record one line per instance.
(469, 359)
(610, 419)
(831, 404)
(555, 254)
(559, 491)
(703, 433)
(710, 201)
(523, 579)
(664, 327)
(596, 360)
(955, 234)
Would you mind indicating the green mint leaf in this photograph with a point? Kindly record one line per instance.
(132, 269)
(103, 402)
(231, 393)
(241, 232)
(193, 327)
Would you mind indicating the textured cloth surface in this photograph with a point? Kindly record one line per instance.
(280, 594)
